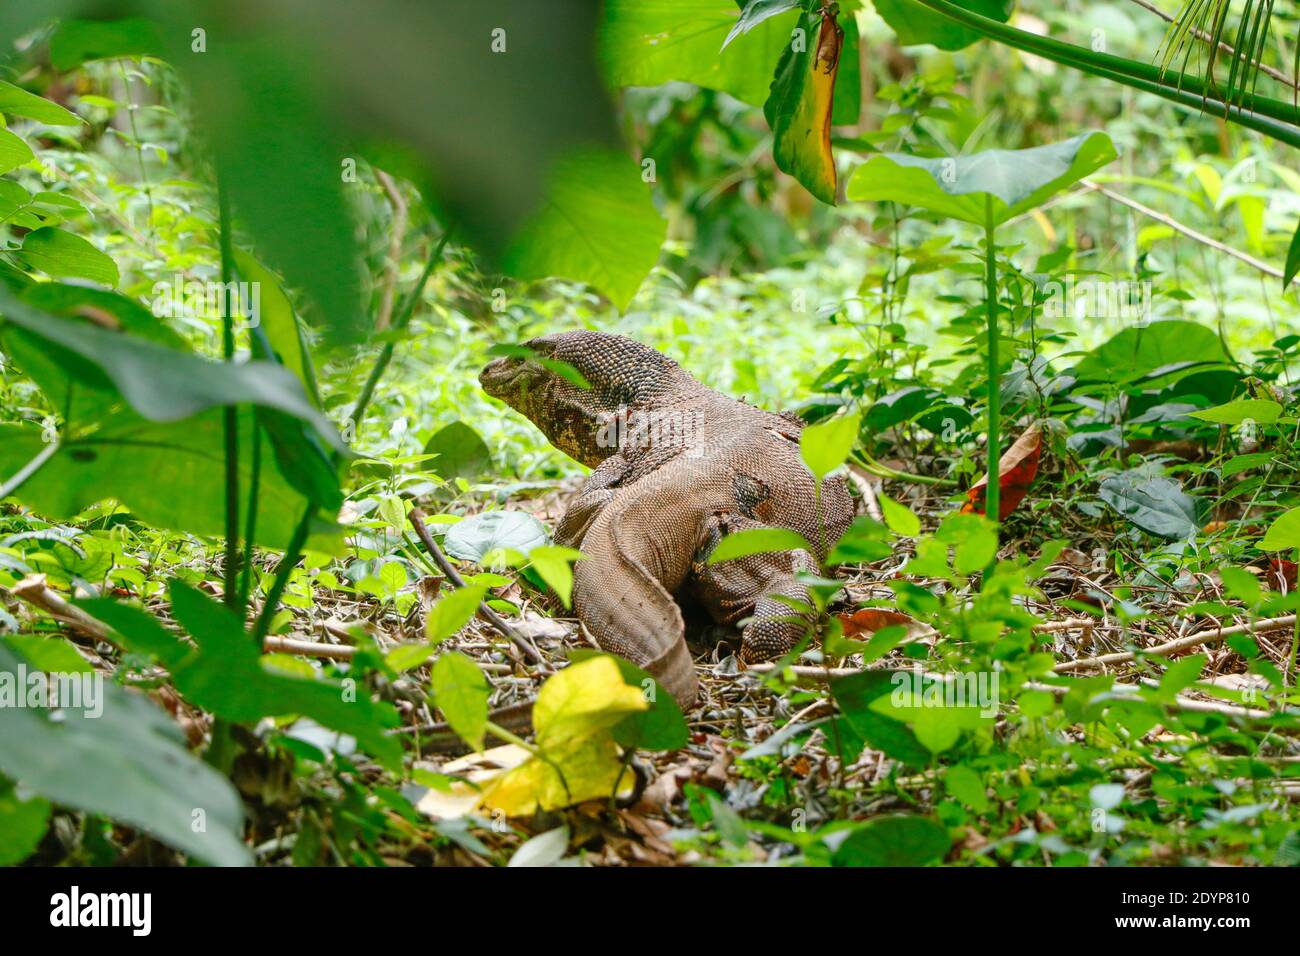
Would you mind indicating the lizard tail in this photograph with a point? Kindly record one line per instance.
(630, 613)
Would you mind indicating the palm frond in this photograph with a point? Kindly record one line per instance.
(1196, 38)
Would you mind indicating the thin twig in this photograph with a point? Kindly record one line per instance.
(1225, 47)
(1187, 231)
(417, 522)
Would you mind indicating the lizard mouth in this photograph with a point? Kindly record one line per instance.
(499, 375)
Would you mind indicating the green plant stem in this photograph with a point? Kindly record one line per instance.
(1295, 639)
(1273, 118)
(400, 321)
(991, 492)
(250, 525)
(230, 414)
(282, 571)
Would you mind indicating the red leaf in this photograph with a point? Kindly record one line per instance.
(871, 619)
(1016, 471)
(1281, 574)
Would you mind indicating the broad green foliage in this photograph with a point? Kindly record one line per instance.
(741, 544)
(597, 222)
(826, 445)
(1284, 533)
(1167, 348)
(461, 693)
(648, 42)
(224, 673)
(998, 183)
(128, 762)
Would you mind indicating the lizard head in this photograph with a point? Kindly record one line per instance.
(621, 374)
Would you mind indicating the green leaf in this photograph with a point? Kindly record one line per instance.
(757, 11)
(899, 517)
(13, 151)
(826, 445)
(75, 42)
(128, 763)
(916, 24)
(963, 187)
(1136, 352)
(865, 540)
(1258, 410)
(170, 474)
(855, 695)
(1180, 675)
(278, 321)
(461, 452)
(966, 785)
(453, 611)
(1153, 503)
(741, 544)
(164, 384)
(64, 255)
(1292, 259)
(894, 841)
(1284, 533)
(22, 824)
(226, 676)
(651, 42)
(475, 537)
(18, 102)
(597, 224)
(461, 692)
(555, 565)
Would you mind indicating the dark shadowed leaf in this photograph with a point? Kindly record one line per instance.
(894, 841)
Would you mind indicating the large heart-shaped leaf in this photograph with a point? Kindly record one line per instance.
(477, 536)
(1152, 502)
(894, 841)
(169, 474)
(597, 223)
(650, 42)
(996, 185)
(1165, 347)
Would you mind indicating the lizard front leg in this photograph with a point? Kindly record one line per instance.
(596, 492)
(753, 587)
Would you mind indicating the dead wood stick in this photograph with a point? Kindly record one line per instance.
(34, 591)
(417, 522)
(1199, 639)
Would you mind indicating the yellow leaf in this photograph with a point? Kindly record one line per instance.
(582, 700)
(591, 768)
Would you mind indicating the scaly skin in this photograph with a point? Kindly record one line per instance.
(677, 467)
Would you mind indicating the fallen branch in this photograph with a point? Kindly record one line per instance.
(1199, 639)
(449, 569)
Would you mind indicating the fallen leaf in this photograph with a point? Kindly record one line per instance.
(1016, 471)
